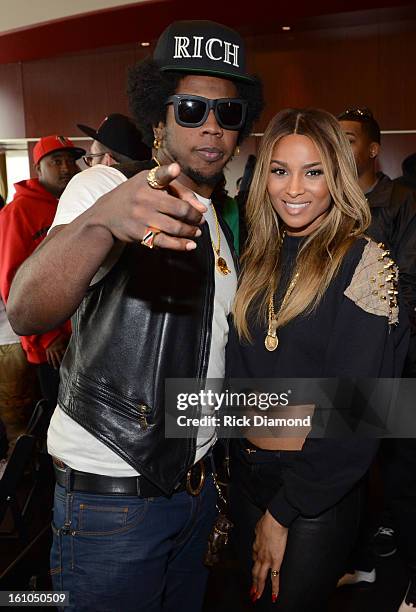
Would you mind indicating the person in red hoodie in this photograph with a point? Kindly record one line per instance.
(24, 223)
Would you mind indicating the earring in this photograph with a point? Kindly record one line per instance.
(156, 143)
(236, 152)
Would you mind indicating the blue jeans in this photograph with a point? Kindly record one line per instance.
(121, 553)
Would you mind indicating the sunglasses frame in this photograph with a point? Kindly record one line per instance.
(90, 157)
(210, 104)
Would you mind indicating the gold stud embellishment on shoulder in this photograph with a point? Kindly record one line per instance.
(374, 289)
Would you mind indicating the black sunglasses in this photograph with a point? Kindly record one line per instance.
(192, 111)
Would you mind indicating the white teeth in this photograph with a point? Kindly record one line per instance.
(296, 206)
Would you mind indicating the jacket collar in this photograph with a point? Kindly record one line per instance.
(380, 195)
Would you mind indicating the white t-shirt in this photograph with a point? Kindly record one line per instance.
(69, 441)
(7, 335)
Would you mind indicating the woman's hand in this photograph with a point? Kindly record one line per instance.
(268, 551)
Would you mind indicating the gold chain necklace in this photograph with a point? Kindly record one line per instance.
(271, 340)
(221, 264)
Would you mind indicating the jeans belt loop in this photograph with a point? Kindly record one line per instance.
(69, 479)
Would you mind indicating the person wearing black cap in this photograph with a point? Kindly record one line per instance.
(117, 140)
(134, 509)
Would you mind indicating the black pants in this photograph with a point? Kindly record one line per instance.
(317, 548)
(49, 383)
(398, 468)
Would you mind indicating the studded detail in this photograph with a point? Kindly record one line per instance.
(375, 263)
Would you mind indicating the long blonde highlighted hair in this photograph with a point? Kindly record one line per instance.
(321, 253)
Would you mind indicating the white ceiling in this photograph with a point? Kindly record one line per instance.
(17, 14)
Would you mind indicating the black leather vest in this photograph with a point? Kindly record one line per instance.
(148, 319)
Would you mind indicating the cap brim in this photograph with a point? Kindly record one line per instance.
(76, 151)
(87, 130)
(95, 136)
(224, 75)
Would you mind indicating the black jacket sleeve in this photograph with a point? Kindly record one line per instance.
(403, 241)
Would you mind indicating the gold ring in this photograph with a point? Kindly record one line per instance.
(151, 179)
(274, 573)
(148, 238)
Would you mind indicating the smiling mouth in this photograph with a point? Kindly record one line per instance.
(293, 206)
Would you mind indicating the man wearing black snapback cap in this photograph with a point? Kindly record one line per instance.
(117, 140)
(133, 509)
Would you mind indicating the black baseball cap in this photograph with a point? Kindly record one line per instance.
(202, 47)
(118, 133)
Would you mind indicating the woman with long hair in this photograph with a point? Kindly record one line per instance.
(316, 299)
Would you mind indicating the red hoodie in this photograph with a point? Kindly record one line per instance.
(24, 223)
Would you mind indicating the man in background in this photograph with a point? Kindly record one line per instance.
(408, 177)
(117, 140)
(24, 223)
(18, 389)
(393, 211)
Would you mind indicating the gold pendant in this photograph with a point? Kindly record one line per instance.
(222, 266)
(271, 342)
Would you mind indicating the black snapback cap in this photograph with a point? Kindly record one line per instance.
(118, 133)
(203, 47)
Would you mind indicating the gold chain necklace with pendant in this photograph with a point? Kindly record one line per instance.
(271, 340)
(221, 264)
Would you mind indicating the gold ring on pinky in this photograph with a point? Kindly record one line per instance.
(148, 238)
(151, 179)
(274, 573)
